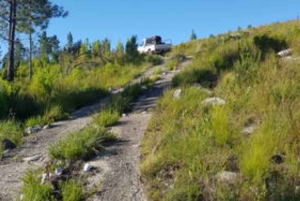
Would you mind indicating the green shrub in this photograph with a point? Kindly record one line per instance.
(54, 113)
(153, 59)
(107, 117)
(5, 104)
(12, 131)
(80, 145)
(72, 190)
(203, 76)
(36, 120)
(33, 190)
(267, 44)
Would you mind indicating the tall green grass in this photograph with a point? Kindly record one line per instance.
(188, 144)
(80, 145)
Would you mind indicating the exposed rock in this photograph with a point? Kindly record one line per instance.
(46, 127)
(44, 178)
(248, 130)
(124, 115)
(58, 171)
(177, 93)
(87, 167)
(297, 189)
(33, 129)
(213, 101)
(285, 53)
(144, 87)
(228, 177)
(7, 144)
(33, 158)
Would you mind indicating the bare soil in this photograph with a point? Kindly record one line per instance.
(117, 176)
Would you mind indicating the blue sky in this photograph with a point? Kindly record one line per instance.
(175, 19)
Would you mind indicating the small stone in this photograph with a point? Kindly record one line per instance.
(285, 53)
(177, 93)
(46, 127)
(33, 158)
(7, 144)
(214, 101)
(87, 167)
(297, 189)
(44, 178)
(227, 176)
(124, 115)
(248, 130)
(144, 87)
(33, 129)
(58, 171)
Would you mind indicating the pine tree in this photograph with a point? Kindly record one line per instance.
(193, 36)
(24, 16)
(70, 43)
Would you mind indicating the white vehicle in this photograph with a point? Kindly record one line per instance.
(154, 45)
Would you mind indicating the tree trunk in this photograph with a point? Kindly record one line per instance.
(30, 56)
(30, 45)
(11, 40)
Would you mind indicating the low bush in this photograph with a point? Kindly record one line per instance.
(80, 145)
(11, 130)
(203, 76)
(107, 117)
(34, 190)
(72, 190)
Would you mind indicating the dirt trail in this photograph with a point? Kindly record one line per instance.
(121, 180)
(118, 164)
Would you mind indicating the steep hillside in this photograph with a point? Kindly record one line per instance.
(229, 130)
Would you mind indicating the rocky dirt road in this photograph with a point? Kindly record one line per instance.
(118, 164)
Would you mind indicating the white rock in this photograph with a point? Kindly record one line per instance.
(213, 101)
(297, 189)
(33, 158)
(227, 176)
(33, 129)
(124, 115)
(248, 130)
(144, 87)
(87, 167)
(58, 171)
(46, 127)
(44, 177)
(285, 53)
(177, 93)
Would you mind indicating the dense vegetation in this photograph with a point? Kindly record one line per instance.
(63, 79)
(245, 149)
